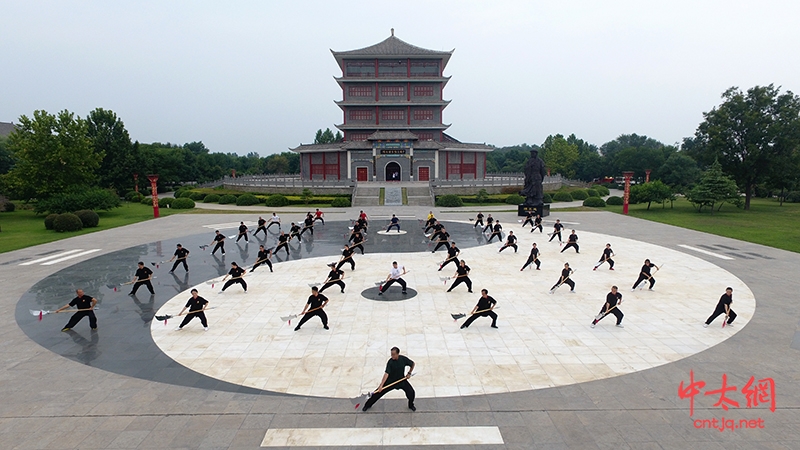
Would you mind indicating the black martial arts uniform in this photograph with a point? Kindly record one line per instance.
(483, 305)
(195, 304)
(645, 275)
(565, 273)
(462, 277)
(262, 258)
(532, 258)
(261, 227)
(557, 227)
(478, 220)
(314, 302)
(220, 240)
(143, 275)
(236, 277)
(511, 241)
(572, 241)
(180, 255)
(396, 371)
(82, 302)
(496, 232)
(725, 300)
(334, 277)
(242, 233)
(452, 256)
(612, 300)
(347, 257)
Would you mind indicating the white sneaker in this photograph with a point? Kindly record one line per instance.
(620, 325)
(651, 289)
(178, 328)
(572, 291)
(633, 289)
(593, 325)
(705, 325)
(205, 328)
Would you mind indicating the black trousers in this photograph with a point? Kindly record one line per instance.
(428, 228)
(78, 316)
(320, 219)
(319, 313)
(348, 260)
(473, 317)
(532, 260)
(221, 246)
(571, 244)
(269, 225)
(145, 283)
(643, 277)
(404, 385)
(721, 310)
(230, 283)
(392, 281)
(616, 312)
(487, 227)
(285, 246)
(182, 260)
(446, 244)
(359, 245)
(554, 235)
(266, 261)
(261, 228)
(527, 221)
(189, 318)
(447, 261)
(459, 281)
(297, 235)
(331, 283)
(478, 222)
(311, 229)
(511, 245)
(242, 235)
(535, 227)
(393, 225)
(495, 233)
(609, 261)
(568, 282)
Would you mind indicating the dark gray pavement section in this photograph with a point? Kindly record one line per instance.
(49, 401)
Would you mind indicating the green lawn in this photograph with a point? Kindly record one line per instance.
(22, 228)
(766, 223)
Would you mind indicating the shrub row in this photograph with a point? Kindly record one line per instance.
(94, 199)
(595, 202)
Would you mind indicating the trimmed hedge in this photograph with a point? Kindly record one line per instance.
(595, 202)
(75, 200)
(515, 199)
(276, 200)
(48, 221)
(146, 201)
(247, 200)
(593, 193)
(562, 196)
(602, 190)
(340, 202)
(182, 203)
(793, 197)
(67, 222)
(211, 198)
(89, 218)
(547, 198)
(614, 200)
(449, 201)
(227, 199)
(579, 194)
(133, 196)
(165, 202)
(196, 196)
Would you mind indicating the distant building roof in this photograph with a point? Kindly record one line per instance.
(6, 128)
(393, 47)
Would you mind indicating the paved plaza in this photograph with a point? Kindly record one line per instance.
(543, 379)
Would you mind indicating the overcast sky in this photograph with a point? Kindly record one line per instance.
(258, 76)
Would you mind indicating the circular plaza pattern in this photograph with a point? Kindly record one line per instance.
(543, 340)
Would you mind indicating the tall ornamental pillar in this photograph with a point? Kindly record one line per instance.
(627, 194)
(154, 189)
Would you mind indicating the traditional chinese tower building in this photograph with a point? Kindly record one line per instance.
(392, 102)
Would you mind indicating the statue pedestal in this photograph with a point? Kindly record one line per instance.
(543, 210)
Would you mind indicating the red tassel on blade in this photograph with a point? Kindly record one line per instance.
(40, 316)
(115, 289)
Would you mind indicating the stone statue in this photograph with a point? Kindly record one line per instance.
(534, 174)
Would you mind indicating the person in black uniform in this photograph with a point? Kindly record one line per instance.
(314, 307)
(242, 232)
(462, 276)
(262, 258)
(142, 277)
(645, 275)
(219, 239)
(496, 232)
(606, 257)
(85, 305)
(557, 227)
(347, 257)
(613, 300)
(395, 371)
(489, 223)
(237, 276)
(528, 219)
(532, 258)
(358, 242)
(180, 253)
(511, 241)
(723, 307)
(334, 277)
(283, 241)
(395, 222)
(357, 228)
(444, 240)
(483, 309)
(572, 241)
(478, 220)
(537, 223)
(197, 306)
(261, 227)
(452, 256)
(437, 231)
(565, 273)
(308, 224)
(294, 231)
(431, 225)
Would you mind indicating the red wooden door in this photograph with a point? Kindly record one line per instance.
(424, 174)
(361, 174)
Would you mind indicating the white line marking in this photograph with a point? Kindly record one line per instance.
(406, 436)
(706, 252)
(50, 263)
(58, 255)
(223, 226)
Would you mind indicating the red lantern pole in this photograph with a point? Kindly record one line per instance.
(154, 188)
(627, 194)
(647, 175)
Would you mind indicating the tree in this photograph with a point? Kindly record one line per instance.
(482, 196)
(679, 171)
(327, 137)
(110, 141)
(53, 154)
(749, 133)
(6, 159)
(623, 141)
(713, 188)
(559, 156)
(589, 164)
(306, 196)
(654, 191)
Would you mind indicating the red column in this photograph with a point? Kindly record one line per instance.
(627, 194)
(647, 175)
(136, 182)
(154, 189)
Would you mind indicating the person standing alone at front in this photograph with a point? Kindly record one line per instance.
(723, 307)
(395, 373)
(85, 306)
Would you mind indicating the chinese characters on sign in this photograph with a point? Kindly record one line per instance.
(761, 392)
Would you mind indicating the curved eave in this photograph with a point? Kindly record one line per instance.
(354, 54)
(442, 103)
(343, 80)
